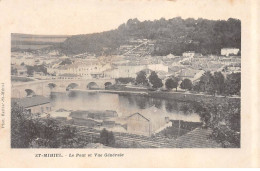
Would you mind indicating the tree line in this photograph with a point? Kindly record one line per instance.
(209, 83)
(174, 36)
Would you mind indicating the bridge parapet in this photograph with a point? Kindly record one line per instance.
(45, 87)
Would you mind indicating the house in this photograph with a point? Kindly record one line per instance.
(148, 122)
(92, 118)
(34, 104)
(229, 51)
(191, 74)
(189, 54)
(21, 70)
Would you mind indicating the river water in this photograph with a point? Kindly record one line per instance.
(124, 105)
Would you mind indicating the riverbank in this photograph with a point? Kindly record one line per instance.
(172, 95)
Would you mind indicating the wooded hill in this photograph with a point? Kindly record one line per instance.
(171, 36)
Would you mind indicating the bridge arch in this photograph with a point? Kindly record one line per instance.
(52, 86)
(107, 84)
(29, 92)
(92, 85)
(72, 86)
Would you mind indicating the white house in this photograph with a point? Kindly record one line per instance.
(229, 51)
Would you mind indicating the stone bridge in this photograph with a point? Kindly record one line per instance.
(45, 87)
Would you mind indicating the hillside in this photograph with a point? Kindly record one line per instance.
(171, 36)
(33, 42)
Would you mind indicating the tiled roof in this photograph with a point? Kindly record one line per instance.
(198, 138)
(32, 101)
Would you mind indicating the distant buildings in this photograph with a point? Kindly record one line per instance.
(130, 70)
(34, 104)
(229, 51)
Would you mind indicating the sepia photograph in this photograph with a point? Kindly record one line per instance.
(163, 83)
(129, 84)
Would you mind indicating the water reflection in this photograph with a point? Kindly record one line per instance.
(124, 104)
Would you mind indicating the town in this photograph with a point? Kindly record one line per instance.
(172, 83)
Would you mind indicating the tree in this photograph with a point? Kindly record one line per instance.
(107, 138)
(207, 83)
(23, 127)
(172, 83)
(224, 119)
(30, 131)
(219, 82)
(141, 78)
(186, 84)
(233, 84)
(155, 80)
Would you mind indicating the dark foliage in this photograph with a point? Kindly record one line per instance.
(174, 36)
(217, 83)
(126, 80)
(172, 83)
(155, 80)
(141, 78)
(186, 84)
(224, 119)
(29, 130)
(107, 138)
(36, 68)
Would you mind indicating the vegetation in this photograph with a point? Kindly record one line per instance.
(155, 80)
(141, 78)
(224, 120)
(186, 84)
(107, 138)
(36, 68)
(174, 36)
(28, 130)
(217, 83)
(172, 83)
(233, 84)
(126, 80)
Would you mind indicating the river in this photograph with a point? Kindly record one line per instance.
(124, 105)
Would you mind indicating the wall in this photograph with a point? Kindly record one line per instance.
(40, 108)
(136, 124)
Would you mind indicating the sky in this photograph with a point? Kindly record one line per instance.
(59, 17)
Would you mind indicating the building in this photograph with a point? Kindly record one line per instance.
(229, 51)
(147, 123)
(93, 118)
(83, 69)
(189, 54)
(192, 74)
(34, 104)
(132, 70)
(139, 124)
(20, 70)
